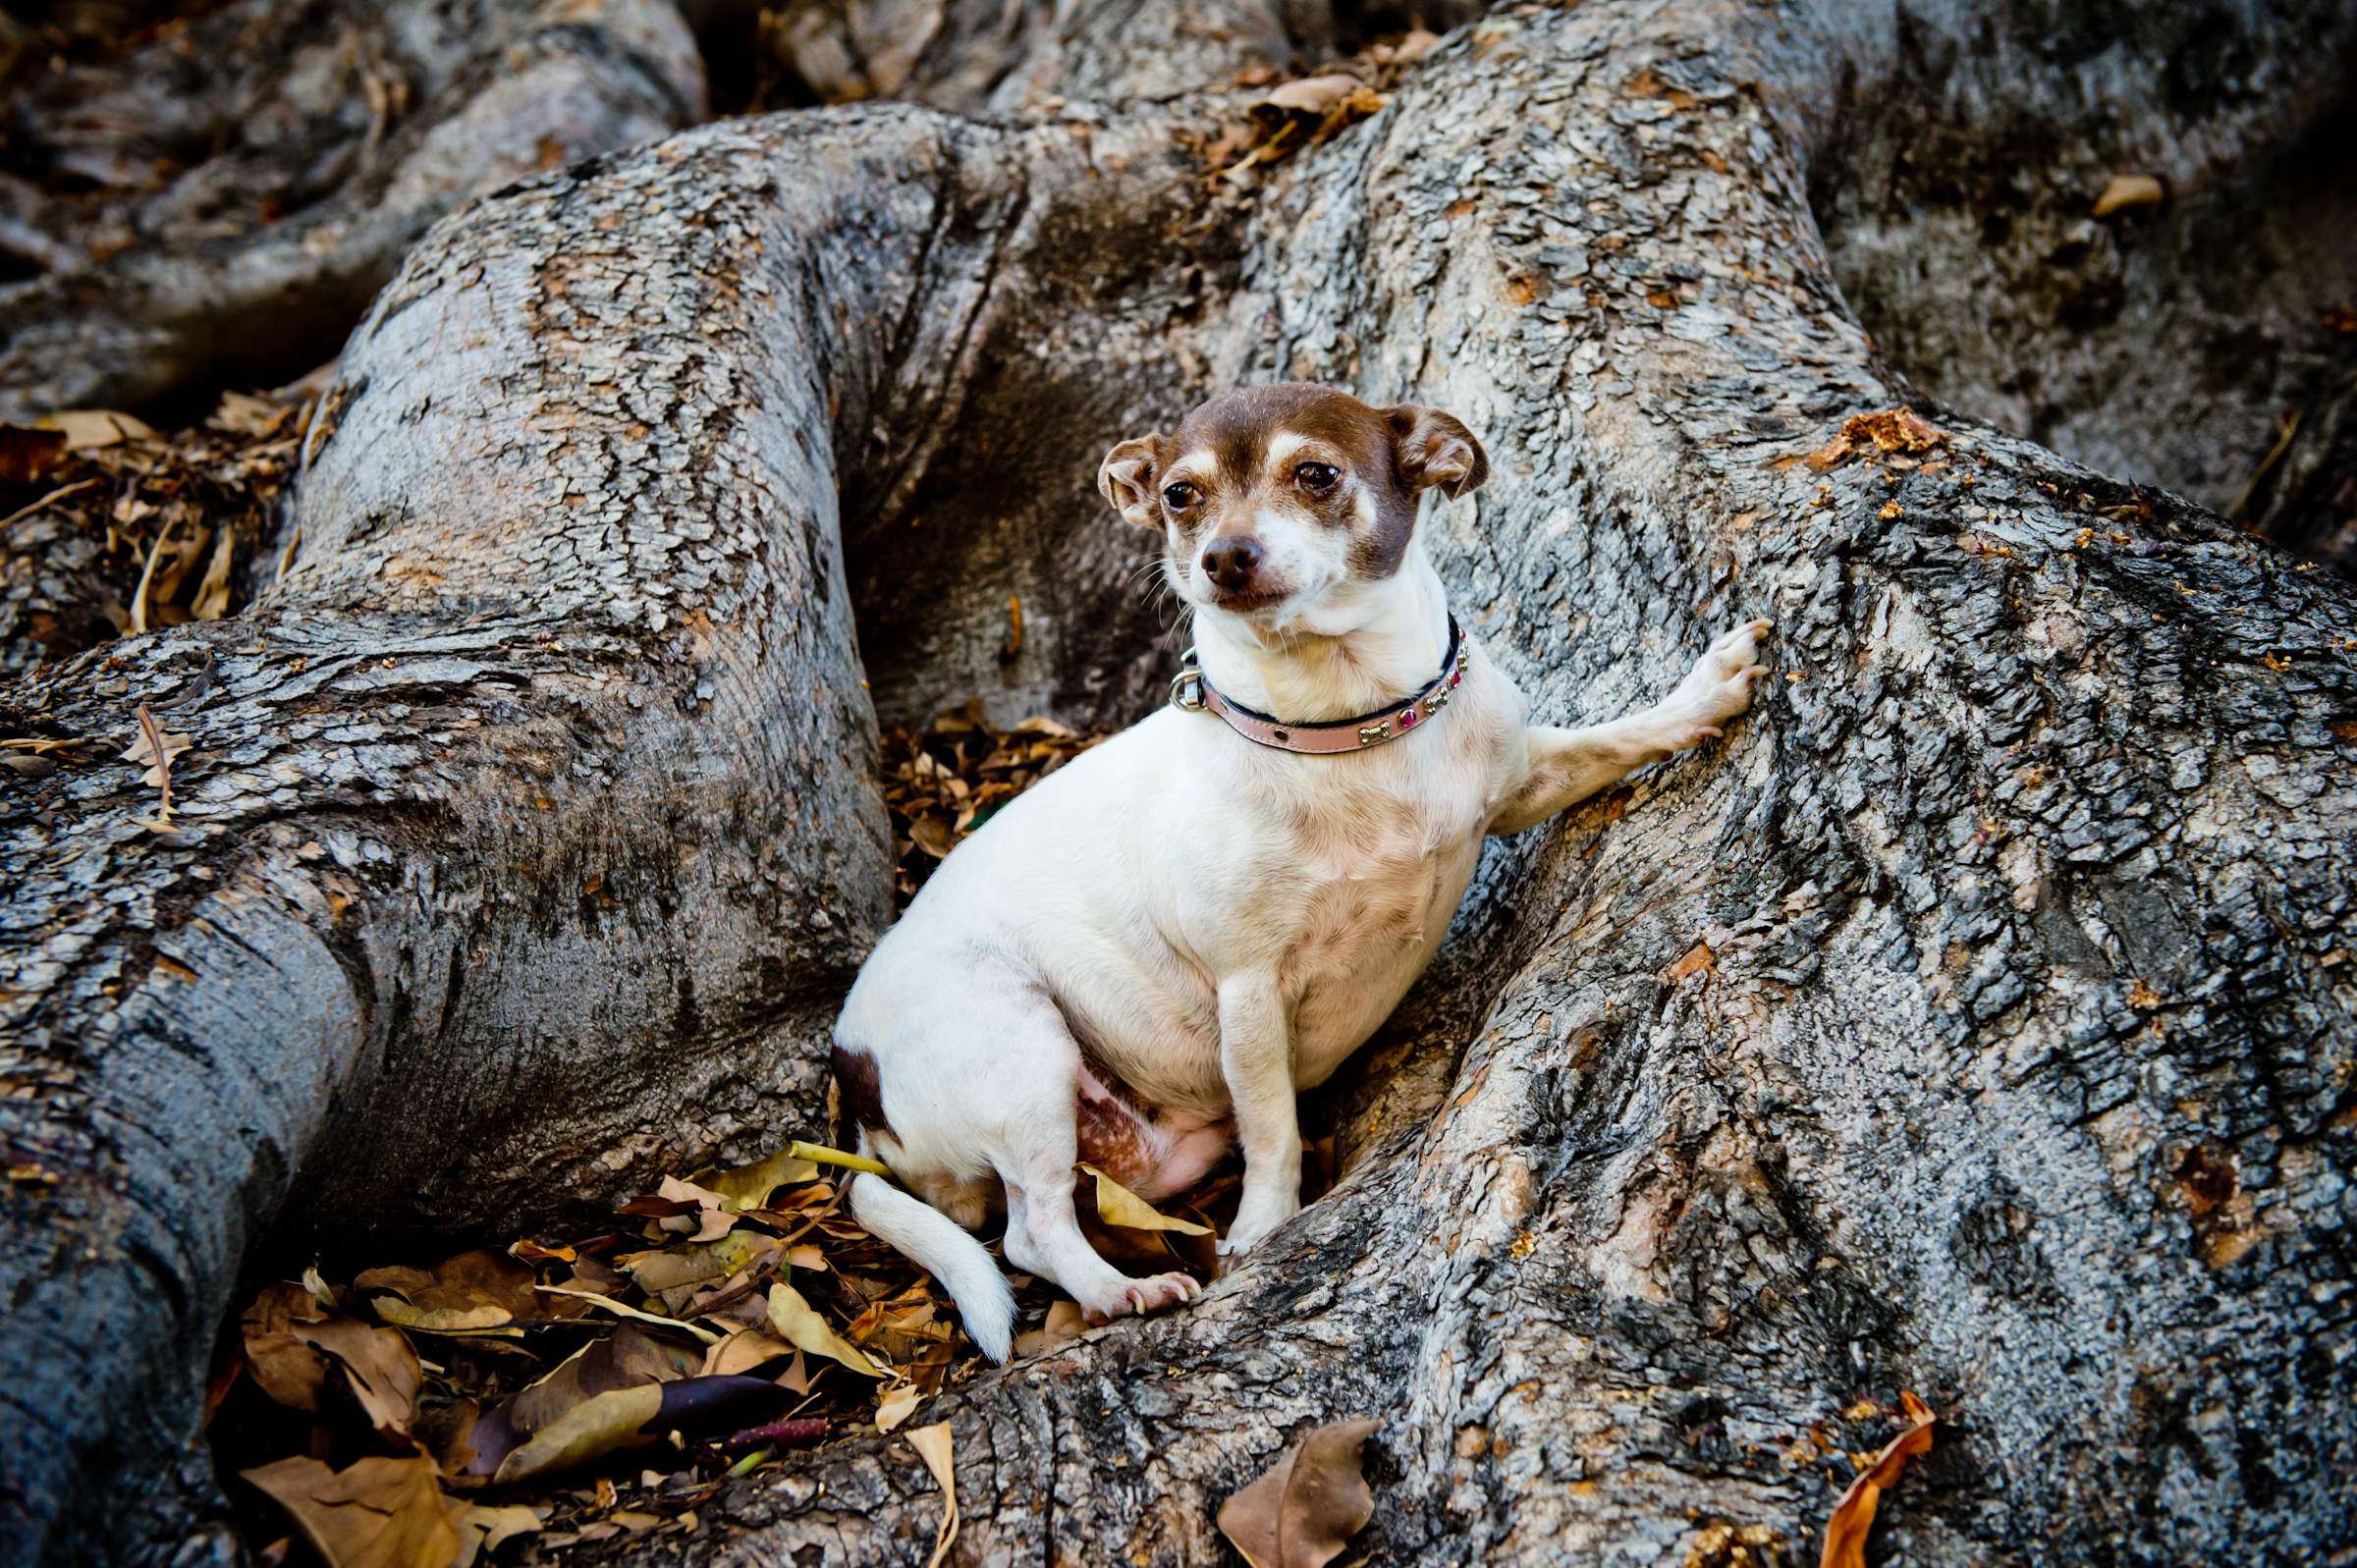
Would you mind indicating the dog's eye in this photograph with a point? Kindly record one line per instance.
(1179, 497)
(1317, 476)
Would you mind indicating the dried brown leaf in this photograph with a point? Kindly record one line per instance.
(742, 1351)
(935, 1446)
(296, 1351)
(749, 1187)
(156, 748)
(1318, 96)
(1696, 961)
(898, 1404)
(1065, 1322)
(1117, 1205)
(1305, 1509)
(1853, 1516)
(485, 1530)
(26, 454)
(380, 1513)
(801, 1327)
(629, 1358)
(89, 429)
(212, 594)
(466, 1286)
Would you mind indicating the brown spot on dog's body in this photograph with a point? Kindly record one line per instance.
(1112, 1136)
(1147, 1147)
(861, 1089)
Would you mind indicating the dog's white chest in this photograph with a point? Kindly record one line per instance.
(1368, 876)
(1368, 926)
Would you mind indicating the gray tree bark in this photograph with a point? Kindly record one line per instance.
(259, 174)
(1977, 1020)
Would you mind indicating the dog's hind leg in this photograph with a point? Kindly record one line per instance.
(1043, 1233)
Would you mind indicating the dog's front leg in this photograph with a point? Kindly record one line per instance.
(1567, 766)
(1256, 1058)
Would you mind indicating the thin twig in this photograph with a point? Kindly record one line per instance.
(2286, 427)
(153, 734)
(138, 600)
(820, 1153)
(23, 513)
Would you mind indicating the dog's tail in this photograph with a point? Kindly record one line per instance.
(921, 1232)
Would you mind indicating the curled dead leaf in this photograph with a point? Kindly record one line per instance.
(298, 1352)
(485, 1530)
(898, 1404)
(745, 1350)
(156, 746)
(89, 429)
(749, 1187)
(2129, 190)
(1853, 1516)
(1311, 95)
(1303, 1510)
(629, 1357)
(1065, 1322)
(622, 1309)
(935, 1446)
(469, 1282)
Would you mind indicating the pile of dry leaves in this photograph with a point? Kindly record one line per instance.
(1304, 111)
(556, 1392)
(109, 527)
(942, 783)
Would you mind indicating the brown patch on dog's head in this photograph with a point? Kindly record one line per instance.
(1125, 478)
(1270, 492)
(1436, 449)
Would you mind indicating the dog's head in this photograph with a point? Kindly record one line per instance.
(1271, 499)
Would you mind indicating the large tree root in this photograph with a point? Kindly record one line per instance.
(315, 145)
(1977, 1020)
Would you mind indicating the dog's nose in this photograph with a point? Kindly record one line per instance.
(1231, 563)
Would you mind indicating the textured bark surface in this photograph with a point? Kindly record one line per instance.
(220, 206)
(2204, 342)
(1979, 1018)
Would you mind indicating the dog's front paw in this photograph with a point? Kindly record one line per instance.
(1135, 1298)
(1718, 687)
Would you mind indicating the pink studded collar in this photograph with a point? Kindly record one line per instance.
(1189, 690)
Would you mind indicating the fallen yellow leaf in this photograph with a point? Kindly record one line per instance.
(804, 1328)
(1117, 1205)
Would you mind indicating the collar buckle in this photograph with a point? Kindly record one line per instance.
(1186, 686)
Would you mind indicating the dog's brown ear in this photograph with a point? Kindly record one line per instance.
(1127, 479)
(1432, 448)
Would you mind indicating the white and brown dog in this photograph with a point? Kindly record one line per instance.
(1142, 960)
